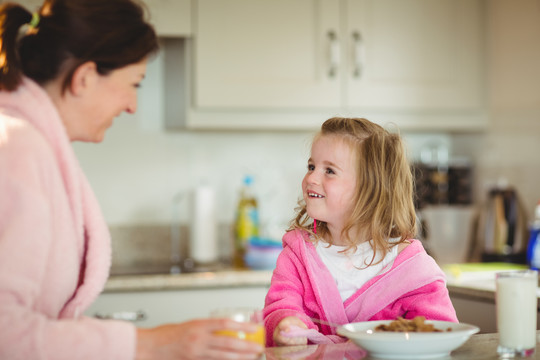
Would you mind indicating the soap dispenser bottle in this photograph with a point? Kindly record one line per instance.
(247, 222)
(533, 248)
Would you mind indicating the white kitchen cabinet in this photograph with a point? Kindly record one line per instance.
(171, 18)
(264, 53)
(298, 58)
(480, 312)
(170, 306)
(413, 54)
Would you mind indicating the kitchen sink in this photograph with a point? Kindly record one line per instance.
(164, 269)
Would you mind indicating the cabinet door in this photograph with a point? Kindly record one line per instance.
(161, 307)
(266, 54)
(170, 17)
(413, 54)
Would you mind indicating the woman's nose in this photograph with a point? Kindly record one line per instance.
(132, 105)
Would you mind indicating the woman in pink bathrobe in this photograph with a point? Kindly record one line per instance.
(350, 255)
(65, 73)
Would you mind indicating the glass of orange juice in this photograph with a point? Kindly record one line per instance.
(242, 315)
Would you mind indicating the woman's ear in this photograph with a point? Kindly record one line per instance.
(84, 77)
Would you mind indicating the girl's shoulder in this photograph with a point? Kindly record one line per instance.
(409, 249)
(295, 236)
(403, 245)
(298, 240)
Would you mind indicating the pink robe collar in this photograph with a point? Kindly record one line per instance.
(388, 286)
(31, 103)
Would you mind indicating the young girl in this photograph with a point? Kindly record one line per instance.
(350, 255)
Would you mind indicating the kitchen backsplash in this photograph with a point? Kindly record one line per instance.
(148, 248)
(136, 173)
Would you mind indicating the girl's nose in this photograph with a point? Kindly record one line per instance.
(312, 178)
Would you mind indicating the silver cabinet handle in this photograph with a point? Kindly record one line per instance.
(123, 315)
(334, 54)
(358, 54)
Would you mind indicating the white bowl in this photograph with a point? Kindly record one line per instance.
(411, 345)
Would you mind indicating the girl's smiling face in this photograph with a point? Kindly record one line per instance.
(329, 186)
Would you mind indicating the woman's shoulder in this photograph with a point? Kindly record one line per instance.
(15, 132)
(23, 149)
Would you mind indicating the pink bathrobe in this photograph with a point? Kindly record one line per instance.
(55, 249)
(303, 287)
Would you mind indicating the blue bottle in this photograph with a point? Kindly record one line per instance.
(533, 247)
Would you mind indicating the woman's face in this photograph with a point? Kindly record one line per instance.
(329, 186)
(106, 98)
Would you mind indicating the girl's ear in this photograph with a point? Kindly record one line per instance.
(84, 77)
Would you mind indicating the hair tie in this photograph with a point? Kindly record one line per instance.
(314, 226)
(35, 20)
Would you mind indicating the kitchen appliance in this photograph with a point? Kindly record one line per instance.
(448, 232)
(501, 228)
(436, 184)
(440, 178)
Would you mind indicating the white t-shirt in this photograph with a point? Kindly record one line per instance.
(349, 269)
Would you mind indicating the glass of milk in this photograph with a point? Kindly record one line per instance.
(516, 303)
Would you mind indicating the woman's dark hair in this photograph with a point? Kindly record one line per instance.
(111, 33)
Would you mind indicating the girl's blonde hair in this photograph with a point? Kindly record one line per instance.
(384, 205)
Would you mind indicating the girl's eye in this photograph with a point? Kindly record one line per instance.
(329, 171)
(311, 167)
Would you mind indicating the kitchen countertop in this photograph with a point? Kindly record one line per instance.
(480, 288)
(194, 280)
(478, 347)
(479, 285)
(476, 281)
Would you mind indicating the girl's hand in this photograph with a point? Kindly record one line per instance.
(285, 326)
(195, 340)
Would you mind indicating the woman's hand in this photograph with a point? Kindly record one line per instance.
(196, 340)
(285, 326)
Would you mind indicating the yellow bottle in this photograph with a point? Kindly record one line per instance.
(247, 222)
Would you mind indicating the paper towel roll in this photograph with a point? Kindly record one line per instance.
(203, 241)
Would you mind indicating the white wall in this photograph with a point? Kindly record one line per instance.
(136, 173)
(140, 167)
(510, 149)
